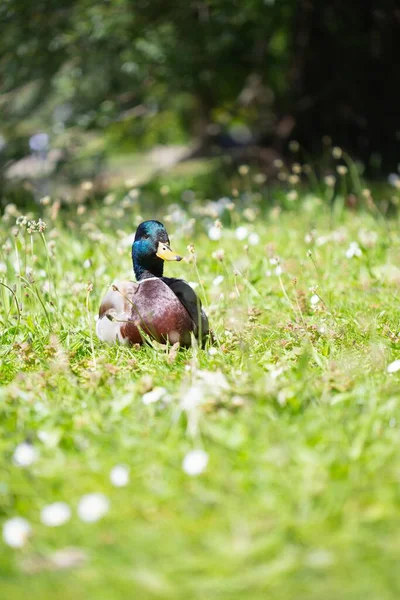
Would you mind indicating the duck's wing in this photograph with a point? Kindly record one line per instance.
(115, 312)
(192, 303)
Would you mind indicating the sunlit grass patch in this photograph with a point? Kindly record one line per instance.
(266, 464)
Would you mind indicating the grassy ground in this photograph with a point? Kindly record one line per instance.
(299, 417)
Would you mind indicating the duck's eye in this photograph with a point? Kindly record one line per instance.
(145, 236)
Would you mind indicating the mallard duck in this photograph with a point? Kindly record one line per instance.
(163, 308)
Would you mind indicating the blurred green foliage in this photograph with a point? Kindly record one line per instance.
(230, 73)
(100, 64)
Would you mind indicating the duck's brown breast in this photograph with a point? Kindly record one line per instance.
(156, 310)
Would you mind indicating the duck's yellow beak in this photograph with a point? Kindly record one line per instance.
(165, 253)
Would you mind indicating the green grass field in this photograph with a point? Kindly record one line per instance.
(294, 405)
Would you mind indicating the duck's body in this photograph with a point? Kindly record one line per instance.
(163, 308)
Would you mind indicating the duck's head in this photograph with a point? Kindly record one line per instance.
(149, 250)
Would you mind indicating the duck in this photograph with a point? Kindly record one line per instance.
(164, 309)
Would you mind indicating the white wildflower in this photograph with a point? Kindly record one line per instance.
(337, 152)
(214, 233)
(16, 531)
(292, 195)
(330, 180)
(193, 397)
(393, 367)
(314, 299)
(216, 380)
(93, 507)
(243, 170)
(342, 170)
(353, 250)
(119, 475)
(254, 239)
(56, 514)
(394, 180)
(278, 271)
(218, 280)
(24, 455)
(241, 233)
(154, 395)
(195, 462)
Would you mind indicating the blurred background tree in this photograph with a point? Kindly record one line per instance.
(225, 73)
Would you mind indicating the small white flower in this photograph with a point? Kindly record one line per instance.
(241, 233)
(394, 366)
(394, 180)
(16, 531)
(278, 271)
(292, 195)
(56, 514)
(154, 395)
(93, 507)
(195, 462)
(243, 170)
(127, 241)
(193, 397)
(218, 280)
(215, 380)
(275, 373)
(119, 475)
(212, 351)
(330, 180)
(24, 455)
(337, 152)
(214, 233)
(254, 239)
(353, 250)
(87, 263)
(308, 238)
(314, 299)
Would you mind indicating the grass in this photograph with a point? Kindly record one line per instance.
(301, 494)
